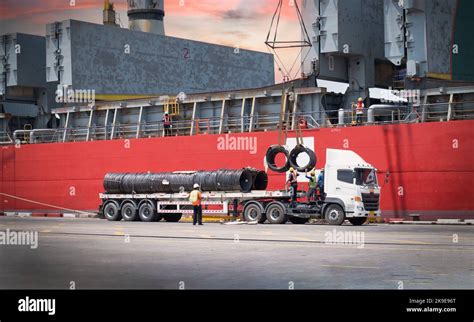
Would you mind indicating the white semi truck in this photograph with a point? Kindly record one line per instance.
(350, 187)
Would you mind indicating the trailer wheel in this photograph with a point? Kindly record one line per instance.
(359, 221)
(334, 215)
(172, 217)
(129, 212)
(276, 213)
(112, 211)
(298, 221)
(147, 212)
(254, 212)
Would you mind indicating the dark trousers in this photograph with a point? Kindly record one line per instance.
(311, 193)
(197, 215)
(294, 192)
(322, 195)
(168, 130)
(359, 119)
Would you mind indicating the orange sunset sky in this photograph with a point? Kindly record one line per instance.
(238, 23)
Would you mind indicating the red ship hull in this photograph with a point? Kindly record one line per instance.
(431, 166)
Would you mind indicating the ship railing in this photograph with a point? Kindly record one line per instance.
(447, 111)
(260, 122)
(5, 138)
(35, 136)
(21, 136)
(43, 135)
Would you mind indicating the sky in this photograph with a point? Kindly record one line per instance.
(237, 23)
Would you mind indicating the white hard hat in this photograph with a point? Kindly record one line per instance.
(196, 186)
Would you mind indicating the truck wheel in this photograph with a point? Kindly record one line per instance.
(335, 215)
(298, 221)
(147, 212)
(129, 212)
(253, 212)
(357, 221)
(172, 217)
(112, 212)
(276, 213)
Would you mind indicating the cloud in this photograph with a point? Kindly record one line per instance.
(14, 9)
(237, 23)
(235, 14)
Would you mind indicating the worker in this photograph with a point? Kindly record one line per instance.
(195, 198)
(293, 184)
(167, 124)
(359, 111)
(303, 123)
(320, 185)
(312, 185)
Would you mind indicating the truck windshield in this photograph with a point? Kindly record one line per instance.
(365, 177)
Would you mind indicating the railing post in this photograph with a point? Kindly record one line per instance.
(66, 126)
(242, 112)
(193, 119)
(423, 111)
(112, 133)
(450, 107)
(252, 114)
(140, 115)
(105, 123)
(221, 123)
(89, 125)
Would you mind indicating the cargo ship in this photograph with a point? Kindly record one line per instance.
(225, 108)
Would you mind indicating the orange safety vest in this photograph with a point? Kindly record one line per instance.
(196, 197)
(167, 120)
(360, 108)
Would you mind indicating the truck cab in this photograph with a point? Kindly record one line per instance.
(351, 188)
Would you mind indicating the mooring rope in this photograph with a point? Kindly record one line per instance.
(47, 205)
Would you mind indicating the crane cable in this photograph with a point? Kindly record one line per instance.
(275, 44)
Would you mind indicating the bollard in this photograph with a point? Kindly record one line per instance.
(370, 115)
(341, 116)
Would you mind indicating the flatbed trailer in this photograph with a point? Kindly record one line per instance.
(273, 207)
(351, 192)
(171, 207)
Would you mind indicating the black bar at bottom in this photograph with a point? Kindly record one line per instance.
(76, 305)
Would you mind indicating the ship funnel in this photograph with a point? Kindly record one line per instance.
(146, 16)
